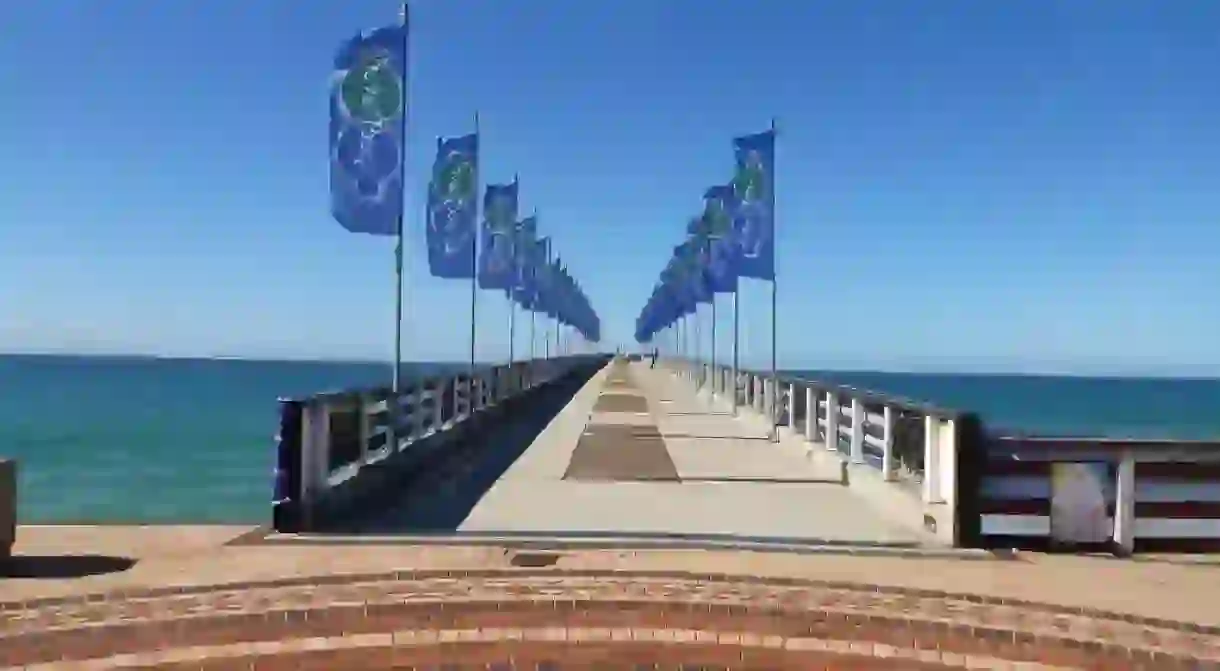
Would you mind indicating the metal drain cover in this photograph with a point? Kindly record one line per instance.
(534, 559)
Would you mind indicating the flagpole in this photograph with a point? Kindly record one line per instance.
(698, 345)
(474, 263)
(736, 333)
(682, 337)
(715, 373)
(395, 379)
(512, 310)
(534, 289)
(774, 285)
(546, 324)
(512, 330)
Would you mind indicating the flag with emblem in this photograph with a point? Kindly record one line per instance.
(754, 200)
(716, 225)
(497, 260)
(523, 248)
(453, 208)
(367, 124)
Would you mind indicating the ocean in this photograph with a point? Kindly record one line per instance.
(140, 440)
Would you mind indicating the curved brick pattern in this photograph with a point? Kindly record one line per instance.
(529, 648)
(520, 618)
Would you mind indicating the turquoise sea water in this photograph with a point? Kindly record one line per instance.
(1125, 407)
(105, 439)
(111, 439)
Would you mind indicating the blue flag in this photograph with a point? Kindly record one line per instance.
(367, 113)
(721, 249)
(754, 221)
(497, 262)
(536, 256)
(453, 207)
(523, 249)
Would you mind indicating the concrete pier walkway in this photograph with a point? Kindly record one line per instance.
(637, 453)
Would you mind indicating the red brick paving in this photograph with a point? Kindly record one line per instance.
(775, 623)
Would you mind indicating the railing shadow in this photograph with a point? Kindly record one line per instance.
(696, 436)
(57, 567)
(442, 497)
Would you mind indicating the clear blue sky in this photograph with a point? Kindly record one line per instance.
(1018, 185)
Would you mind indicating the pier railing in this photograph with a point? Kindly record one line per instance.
(334, 448)
(978, 488)
(1157, 495)
(902, 450)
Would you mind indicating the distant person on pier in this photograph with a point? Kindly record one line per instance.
(655, 353)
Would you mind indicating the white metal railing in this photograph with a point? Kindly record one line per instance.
(328, 439)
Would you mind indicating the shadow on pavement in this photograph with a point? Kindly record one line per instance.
(441, 499)
(62, 566)
(703, 437)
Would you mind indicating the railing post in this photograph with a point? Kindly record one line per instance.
(438, 405)
(931, 459)
(887, 443)
(811, 414)
(363, 401)
(1124, 505)
(315, 458)
(768, 398)
(857, 431)
(832, 421)
(288, 497)
(790, 406)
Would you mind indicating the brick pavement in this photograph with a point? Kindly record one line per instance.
(523, 618)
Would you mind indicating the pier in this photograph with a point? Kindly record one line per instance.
(644, 456)
(590, 508)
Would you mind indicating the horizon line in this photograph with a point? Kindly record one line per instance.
(1172, 371)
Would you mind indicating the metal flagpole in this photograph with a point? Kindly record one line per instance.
(512, 310)
(736, 333)
(715, 373)
(546, 324)
(679, 351)
(395, 379)
(685, 338)
(512, 330)
(698, 345)
(534, 288)
(774, 285)
(474, 263)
